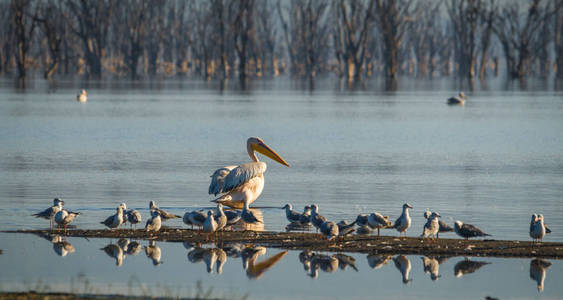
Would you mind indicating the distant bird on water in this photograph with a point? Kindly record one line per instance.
(82, 96)
(457, 100)
(467, 230)
(443, 226)
(50, 212)
(404, 221)
(163, 214)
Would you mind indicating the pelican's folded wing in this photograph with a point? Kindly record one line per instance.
(218, 178)
(242, 174)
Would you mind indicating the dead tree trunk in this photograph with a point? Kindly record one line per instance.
(392, 19)
(24, 26)
(91, 24)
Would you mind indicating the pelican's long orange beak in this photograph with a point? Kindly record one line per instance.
(269, 152)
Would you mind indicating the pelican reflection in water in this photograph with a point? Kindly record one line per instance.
(538, 268)
(243, 183)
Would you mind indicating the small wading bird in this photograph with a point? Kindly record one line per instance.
(244, 183)
(404, 221)
(457, 100)
(82, 96)
(467, 230)
(50, 212)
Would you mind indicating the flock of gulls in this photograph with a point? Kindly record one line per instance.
(239, 186)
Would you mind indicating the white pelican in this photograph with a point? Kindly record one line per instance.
(457, 100)
(82, 96)
(238, 184)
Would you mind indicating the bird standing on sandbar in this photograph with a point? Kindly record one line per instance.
(244, 183)
(133, 217)
(537, 228)
(196, 217)
(443, 226)
(291, 215)
(209, 225)
(64, 217)
(377, 220)
(316, 219)
(432, 226)
(329, 230)
(467, 230)
(155, 222)
(248, 216)
(50, 212)
(115, 220)
(163, 214)
(404, 221)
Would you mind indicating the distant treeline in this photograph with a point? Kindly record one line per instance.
(222, 39)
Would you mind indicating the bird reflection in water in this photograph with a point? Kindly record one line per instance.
(467, 266)
(313, 262)
(61, 246)
(154, 253)
(377, 261)
(217, 256)
(538, 268)
(431, 266)
(254, 269)
(403, 264)
(114, 251)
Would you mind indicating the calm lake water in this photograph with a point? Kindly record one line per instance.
(491, 163)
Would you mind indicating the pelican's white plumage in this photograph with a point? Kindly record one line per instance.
(245, 182)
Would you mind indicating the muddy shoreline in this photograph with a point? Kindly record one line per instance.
(316, 242)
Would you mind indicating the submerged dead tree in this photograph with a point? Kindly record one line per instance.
(24, 26)
(244, 33)
(351, 34)
(306, 32)
(90, 21)
(133, 15)
(425, 37)
(393, 17)
(558, 41)
(465, 16)
(519, 40)
(52, 24)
